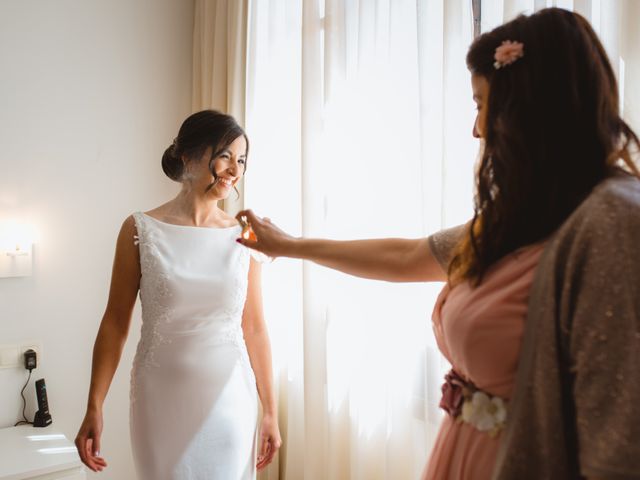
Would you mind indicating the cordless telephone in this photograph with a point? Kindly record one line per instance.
(43, 417)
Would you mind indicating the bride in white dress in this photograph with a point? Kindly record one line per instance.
(204, 356)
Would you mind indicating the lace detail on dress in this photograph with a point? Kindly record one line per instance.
(236, 338)
(154, 297)
(154, 306)
(231, 336)
(442, 244)
(239, 291)
(236, 307)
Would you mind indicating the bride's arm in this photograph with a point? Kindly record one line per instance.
(114, 328)
(256, 338)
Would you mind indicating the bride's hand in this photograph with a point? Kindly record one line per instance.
(88, 441)
(270, 440)
(268, 238)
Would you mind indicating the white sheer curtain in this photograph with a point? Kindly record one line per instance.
(360, 117)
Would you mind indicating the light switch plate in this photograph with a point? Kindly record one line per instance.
(9, 356)
(16, 264)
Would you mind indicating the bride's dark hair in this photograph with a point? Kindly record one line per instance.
(552, 132)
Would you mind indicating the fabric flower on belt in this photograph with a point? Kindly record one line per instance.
(453, 393)
(487, 414)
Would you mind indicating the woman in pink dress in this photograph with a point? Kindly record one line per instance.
(553, 140)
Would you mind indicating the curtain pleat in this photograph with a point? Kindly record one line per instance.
(220, 63)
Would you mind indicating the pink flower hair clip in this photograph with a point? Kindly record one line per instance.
(507, 53)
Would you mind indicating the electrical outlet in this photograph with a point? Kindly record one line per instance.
(35, 345)
(12, 356)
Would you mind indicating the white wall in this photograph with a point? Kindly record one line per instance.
(91, 93)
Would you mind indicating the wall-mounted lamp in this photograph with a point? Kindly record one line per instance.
(16, 249)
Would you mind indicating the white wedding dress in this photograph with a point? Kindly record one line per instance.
(193, 394)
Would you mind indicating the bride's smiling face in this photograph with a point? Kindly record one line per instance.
(229, 166)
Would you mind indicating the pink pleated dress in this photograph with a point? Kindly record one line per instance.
(479, 330)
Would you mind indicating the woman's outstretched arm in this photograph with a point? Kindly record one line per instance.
(389, 259)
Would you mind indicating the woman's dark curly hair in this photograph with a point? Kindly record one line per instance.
(552, 132)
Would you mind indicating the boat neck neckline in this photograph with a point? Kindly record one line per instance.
(192, 227)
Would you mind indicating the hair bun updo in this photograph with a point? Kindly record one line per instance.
(172, 164)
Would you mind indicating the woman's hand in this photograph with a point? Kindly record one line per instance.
(270, 440)
(88, 441)
(268, 238)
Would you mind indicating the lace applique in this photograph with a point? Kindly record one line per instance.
(235, 306)
(153, 296)
(235, 337)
